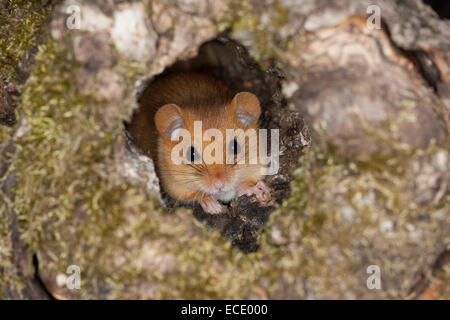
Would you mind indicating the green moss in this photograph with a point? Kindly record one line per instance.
(8, 273)
(335, 207)
(21, 23)
(261, 35)
(71, 212)
(64, 192)
(21, 30)
(5, 134)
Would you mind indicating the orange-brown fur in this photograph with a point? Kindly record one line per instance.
(199, 97)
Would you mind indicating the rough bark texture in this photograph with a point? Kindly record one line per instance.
(372, 190)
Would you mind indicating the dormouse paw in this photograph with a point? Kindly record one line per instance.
(211, 205)
(260, 190)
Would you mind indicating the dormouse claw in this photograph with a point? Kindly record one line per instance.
(260, 190)
(211, 205)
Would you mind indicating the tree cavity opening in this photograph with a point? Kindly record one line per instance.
(229, 61)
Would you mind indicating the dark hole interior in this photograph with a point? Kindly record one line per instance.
(441, 7)
(229, 61)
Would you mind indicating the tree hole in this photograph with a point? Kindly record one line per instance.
(229, 61)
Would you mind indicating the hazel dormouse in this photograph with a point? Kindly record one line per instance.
(181, 101)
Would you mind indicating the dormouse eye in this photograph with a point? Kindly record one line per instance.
(234, 148)
(192, 154)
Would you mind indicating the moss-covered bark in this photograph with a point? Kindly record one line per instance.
(73, 207)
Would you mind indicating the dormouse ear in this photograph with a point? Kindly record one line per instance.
(246, 108)
(168, 118)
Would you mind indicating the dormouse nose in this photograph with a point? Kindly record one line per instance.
(218, 182)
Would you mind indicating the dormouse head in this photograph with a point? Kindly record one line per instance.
(210, 148)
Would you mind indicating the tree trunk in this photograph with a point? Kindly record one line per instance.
(369, 81)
